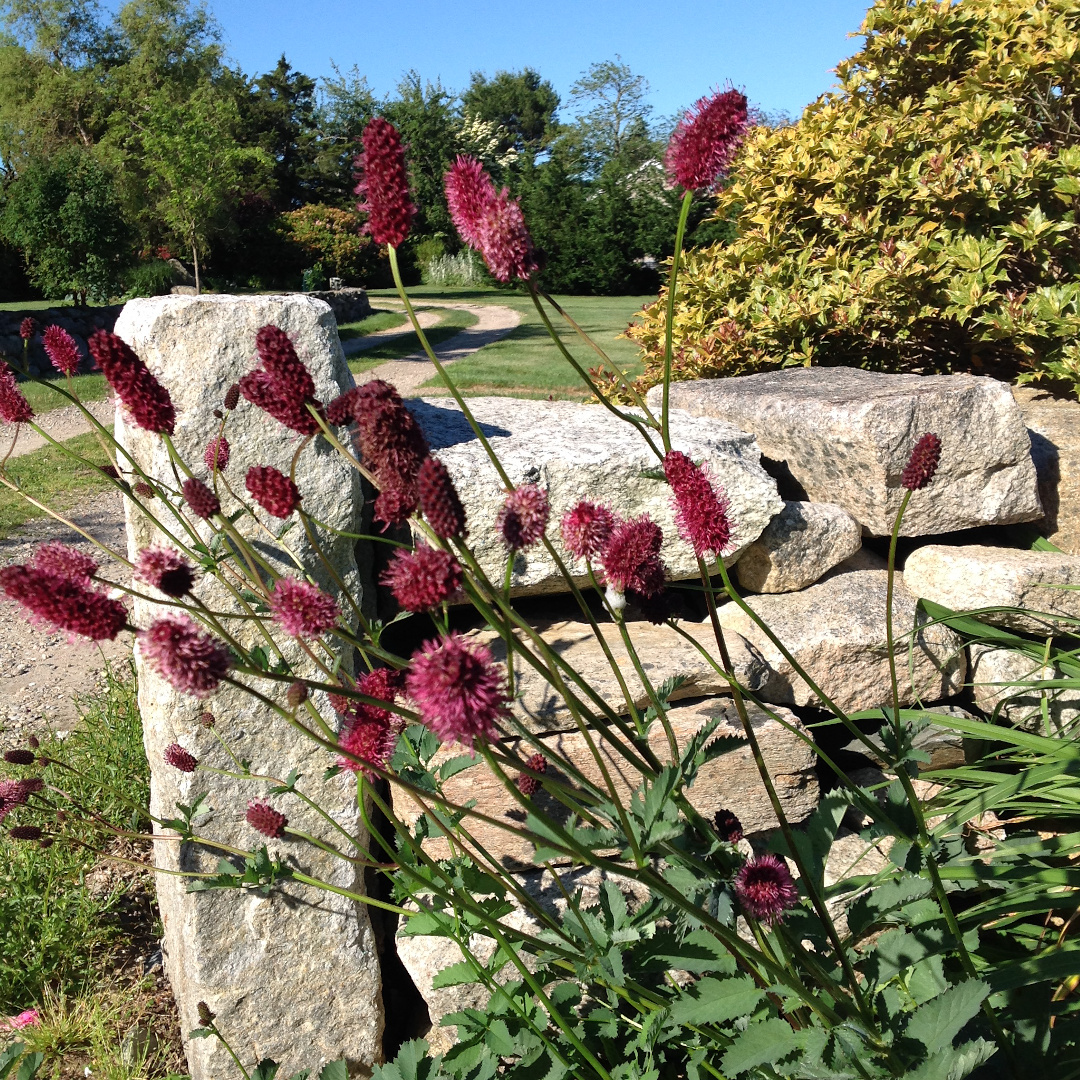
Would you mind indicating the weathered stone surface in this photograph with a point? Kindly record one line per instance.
(577, 452)
(1054, 429)
(305, 955)
(801, 544)
(348, 305)
(1014, 703)
(731, 781)
(844, 435)
(663, 653)
(943, 746)
(976, 576)
(836, 632)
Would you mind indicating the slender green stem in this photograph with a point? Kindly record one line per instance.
(673, 281)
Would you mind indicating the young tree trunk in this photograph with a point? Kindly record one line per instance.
(195, 260)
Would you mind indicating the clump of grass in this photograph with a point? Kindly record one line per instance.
(43, 398)
(377, 320)
(52, 478)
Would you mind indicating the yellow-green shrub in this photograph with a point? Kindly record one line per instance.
(332, 237)
(921, 218)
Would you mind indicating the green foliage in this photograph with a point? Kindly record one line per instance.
(922, 218)
(521, 103)
(64, 215)
(153, 277)
(317, 233)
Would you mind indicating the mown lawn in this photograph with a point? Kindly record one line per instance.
(526, 363)
(377, 320)
(43, 399)
(451, 322)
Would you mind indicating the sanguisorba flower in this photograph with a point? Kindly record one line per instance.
(586, 528)
(180, 759)
(702, 514)
(631, 557)
(528, 784)
(272, 490)
(705, 140)
(370, 731)
(190, 660)
(923, 463)
(67, 561)
(469, 192)
(423, 578)
(72, 605)
(263, 818)
(145, 399)
(505, 242)
(523, 517)
(281, 385)
(765, 888)
(439, 500)
(27, 328)
(166, 570)
(202, 501)
(302, 609)
(728, 827)
(458, 689)
(61, 349)
(216, 454)
(14, 408)
(384, 184)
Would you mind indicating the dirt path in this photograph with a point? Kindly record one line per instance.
(61, 424)
(352, 346)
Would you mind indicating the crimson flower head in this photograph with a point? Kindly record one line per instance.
(528, 784)
(272, 490)
(702, 515)
(765, 888)
(263, 818)
(505, 242)
(232, 397)
(65, 560)
(27, 328)
(281, 386)
(459, 691)
(61, 349)
(728, 827)
(166, 570)
(439, 500)
(705, 140)
(179, 758)
(203, 502)
(54, 600)
(523, 517)
(923, 463)
(370, 731)
(216, 454)
(302, 609)
(384, 184)
(631, 558)
(14, 408)
(469, 192)
(19, 756)
(586, 528)
(145, 399)
(423, 578)
(189, 660)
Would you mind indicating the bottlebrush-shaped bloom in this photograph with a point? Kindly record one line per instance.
(190, 660)
(146, 400)
(53, 600)
(923, 463)
(527, 784)
(27, 328)
(232, 397)
(272, 490)
(586, 529)
(631, 557)
(216, 454)
(302, 609)
(19, 756)
(281, 386)
(14, 408)
(17, 792)
(705, 140)
(765, 888)
(469, 192)
(458, 689)
(423, 578)
(263, 818)
(370, 732)
(384, 184)
(702, 514)
(65, 560)
(523, 517)
(61, 349)
(202, 501)
(166, 570)
(505, 243)
(179, 758)
(439, 500)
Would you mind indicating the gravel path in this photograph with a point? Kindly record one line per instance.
(352, 346)
(61, 424)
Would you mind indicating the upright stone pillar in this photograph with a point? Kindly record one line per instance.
(293, 975)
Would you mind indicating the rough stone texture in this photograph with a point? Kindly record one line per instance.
(802, 543)
(1054, 429)
(80, 322)
(1015, 704)
(844, 436)
(731, 781)
(976, 576)
(348, 305)
(836, 632)
(943, 746)
(305, 955)
(663, 654)
(579, 452)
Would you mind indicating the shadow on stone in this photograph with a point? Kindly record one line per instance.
(447, 427)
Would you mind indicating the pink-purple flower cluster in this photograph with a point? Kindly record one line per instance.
(190, 660)
(302, 609)
(166, 570)
(383, 183)
(272, 490)
(423, 578)
(281, 386)
(702, 514)
(523, 517)
(61, 349)
(370, 732)
(14, 408)
(705, 140)
(145, 399)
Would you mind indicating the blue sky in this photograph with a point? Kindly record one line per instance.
(780, 51)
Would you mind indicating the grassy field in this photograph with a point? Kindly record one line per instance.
(451, 322)
(526, 363)
(43, 399)
(377, 320)
(51, 477)
(33, 305)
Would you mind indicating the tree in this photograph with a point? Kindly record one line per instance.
(196, 166)
(610, 100)
(520, 102)
(64, 215)
(345, 106)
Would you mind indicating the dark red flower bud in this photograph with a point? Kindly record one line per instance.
(439, 500)
(19, 757)
(206, 1017)
(384, 183)
(923, 463)
(206, 719)
(272, 490)
(232, 397)
(179, 758)
(203, 502)
(25, 832)
(142, 395)
(297, 695)
(27, 328)
(529, 785)
(265, 819)
(728, 827)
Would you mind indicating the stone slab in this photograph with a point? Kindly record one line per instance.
(844, 436)
(1015, 704)
(577, 452)
(663, 653)
(310, 956)
(798, 547)
(836, 631)
(1044, 585)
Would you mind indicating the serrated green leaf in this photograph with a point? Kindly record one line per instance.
(763, 1043)
(457, 764)
(712, 1001)
(499, 1040)
(458, 974)
(939, 1021)
(334, 1070)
